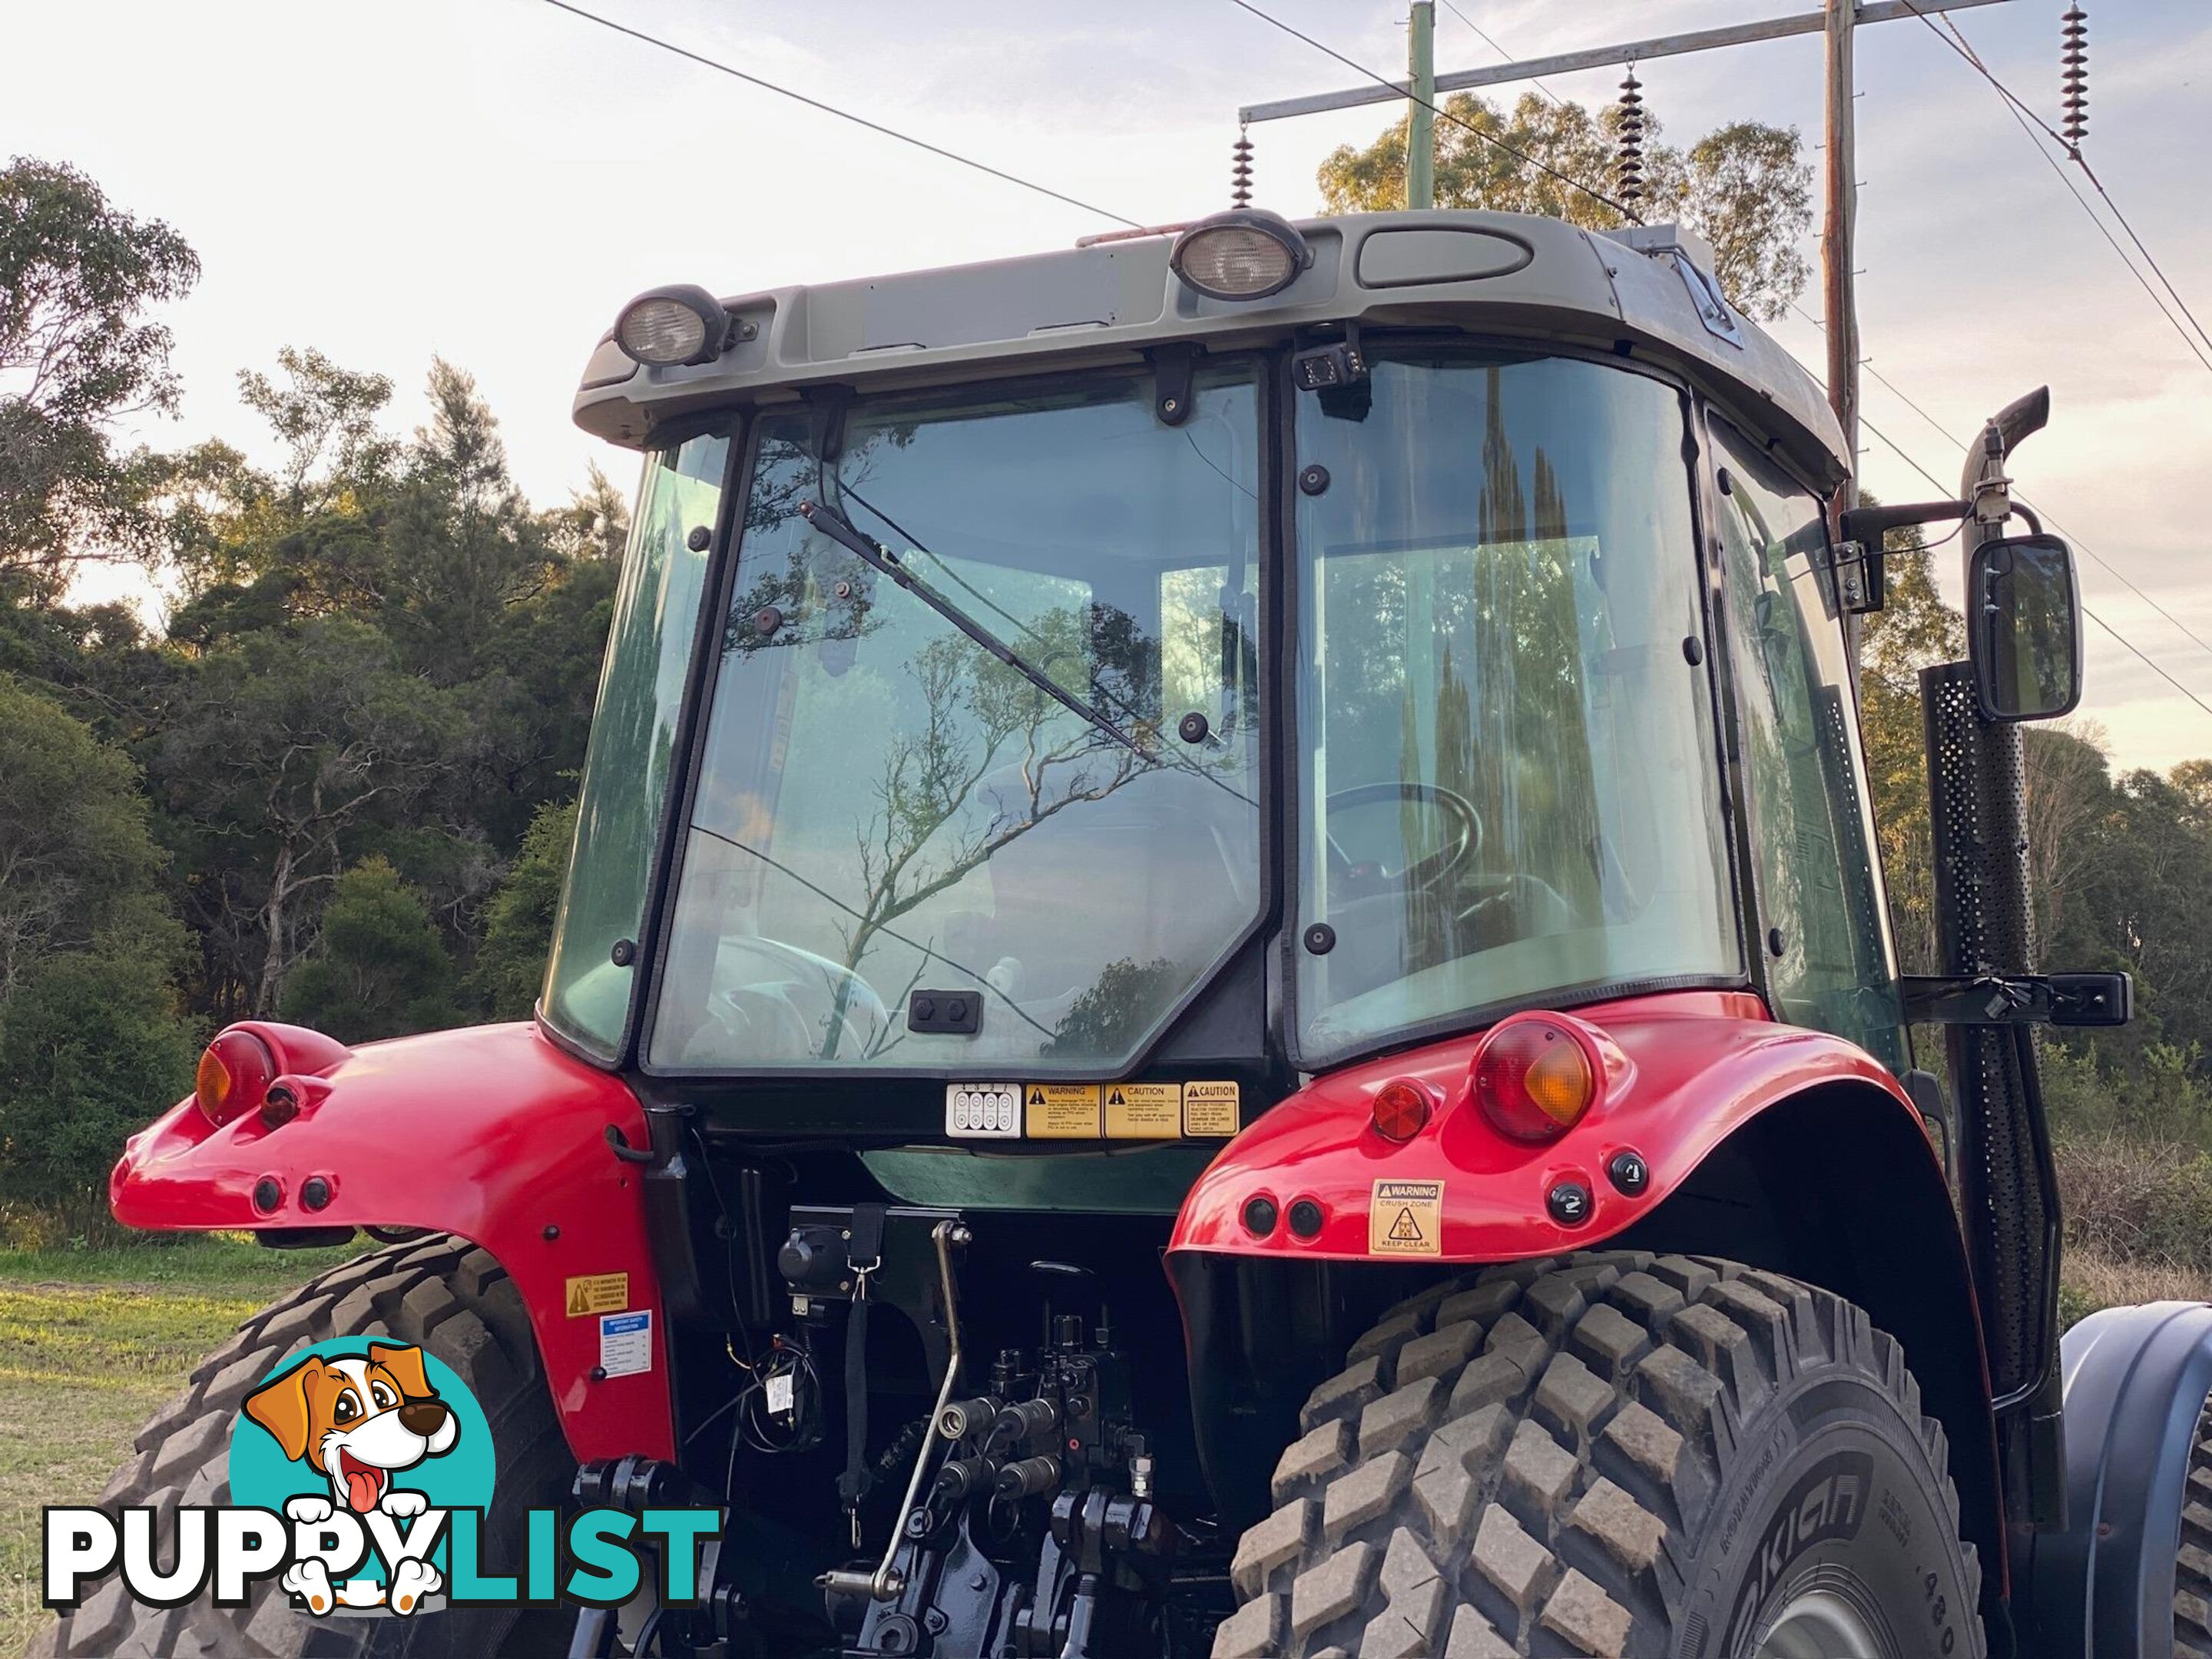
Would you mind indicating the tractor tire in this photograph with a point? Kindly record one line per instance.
(1612, 1454)
(2192, 1564)
(441, 1293)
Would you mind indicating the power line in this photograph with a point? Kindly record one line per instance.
(1442, 113)
(1484, 36)
(842, 114)
(2073, 153)
(2028, 122)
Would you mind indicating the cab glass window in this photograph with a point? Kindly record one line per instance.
(1820, 893)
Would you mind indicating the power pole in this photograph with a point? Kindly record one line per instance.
(1836, 20)
(1420, 112)
(1839, 307)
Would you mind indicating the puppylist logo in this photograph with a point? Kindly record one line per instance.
(361, 1474)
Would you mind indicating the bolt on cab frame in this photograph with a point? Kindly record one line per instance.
(1323, 757)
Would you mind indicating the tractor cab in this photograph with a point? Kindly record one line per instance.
(1225, 989)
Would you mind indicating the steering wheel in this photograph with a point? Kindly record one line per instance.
(771, 997)
(1436, 867)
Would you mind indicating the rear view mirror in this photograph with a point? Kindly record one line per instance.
(2024, 629)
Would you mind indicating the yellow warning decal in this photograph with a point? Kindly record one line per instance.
(1406, 1218)
(1144, 1111)
(1061, 1111)
(598, 1293)
(1210, 1109)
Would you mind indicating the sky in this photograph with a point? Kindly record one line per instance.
(488, 180)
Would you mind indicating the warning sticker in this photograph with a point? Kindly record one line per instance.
(1144, 1111)
(598, 1293)
(626, 1343)
(1063, 1111)
(1210, 1109)
(973, 1109)
(1406, 1218)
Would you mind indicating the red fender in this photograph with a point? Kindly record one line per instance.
(1682, 1071)
(492, 1133)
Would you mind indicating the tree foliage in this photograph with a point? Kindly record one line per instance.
(77, 353)
(379, 968)
(1744, 187)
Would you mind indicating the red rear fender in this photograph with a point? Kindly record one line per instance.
(492, 1133)
(1681, 1072)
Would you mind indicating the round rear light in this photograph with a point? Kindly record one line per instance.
(1533, 1081)
(234, 1076)
(1241, 254)
(1402, 1109)
(668, 325)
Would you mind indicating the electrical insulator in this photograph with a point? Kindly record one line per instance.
(1628, 171)
(1240, 173)
(2074, 57)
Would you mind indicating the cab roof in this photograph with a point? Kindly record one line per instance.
(1644, 294)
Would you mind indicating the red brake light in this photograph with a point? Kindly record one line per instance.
(1533, 1081)
(234, 1076)
(1401, 1109)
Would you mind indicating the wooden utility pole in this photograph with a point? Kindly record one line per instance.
(1421, 104)
(1839, 306)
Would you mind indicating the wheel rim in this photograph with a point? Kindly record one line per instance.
(1819, 1625)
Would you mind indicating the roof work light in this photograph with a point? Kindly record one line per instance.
(680, 323)
(1246, 253)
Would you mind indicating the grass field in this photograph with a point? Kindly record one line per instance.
(91, 1342)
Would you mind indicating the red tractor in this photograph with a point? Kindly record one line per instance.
(1225, 989)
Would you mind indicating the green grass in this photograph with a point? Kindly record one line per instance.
(92, 1341)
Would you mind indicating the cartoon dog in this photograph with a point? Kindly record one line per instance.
(357, 1422)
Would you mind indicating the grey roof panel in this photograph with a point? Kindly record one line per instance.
(1488, 273)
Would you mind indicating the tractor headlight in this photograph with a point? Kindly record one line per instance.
(1242, 254)
(681, 324)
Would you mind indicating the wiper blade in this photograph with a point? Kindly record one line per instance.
(838, 529)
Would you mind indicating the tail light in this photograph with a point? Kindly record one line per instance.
(1533, 1080)
(234, 1076)
(1401, 1109)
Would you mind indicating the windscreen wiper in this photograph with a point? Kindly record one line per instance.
(838, 529)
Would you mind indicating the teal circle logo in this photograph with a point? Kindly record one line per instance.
(377, 1430)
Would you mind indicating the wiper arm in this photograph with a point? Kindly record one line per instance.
(838, 529)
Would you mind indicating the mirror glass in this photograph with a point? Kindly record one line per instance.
(2027, 629)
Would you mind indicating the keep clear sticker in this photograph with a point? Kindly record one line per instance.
(626, 1343)
(1406, 1218)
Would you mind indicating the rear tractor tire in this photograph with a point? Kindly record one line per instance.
(443, 1294)
(1612, 1455)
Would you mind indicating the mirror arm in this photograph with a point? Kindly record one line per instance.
(1868, 524)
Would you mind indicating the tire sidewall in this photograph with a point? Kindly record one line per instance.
(1834, 1491)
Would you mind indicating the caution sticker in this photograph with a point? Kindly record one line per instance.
(1210, 1109)
(1406, 1218)
(1063, 1111)
(1144, 1111)
(598, 1293)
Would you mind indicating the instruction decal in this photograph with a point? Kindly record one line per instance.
(626, 1343)
(1210, 1109)
(1144, 1111)
(598, 1293)
(1406, 1218)
(983, 1109)
(1063, 1111)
